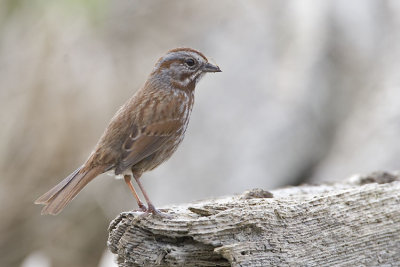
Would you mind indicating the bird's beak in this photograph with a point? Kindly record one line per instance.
(211, 68)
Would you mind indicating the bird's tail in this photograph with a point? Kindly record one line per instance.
(59, 196)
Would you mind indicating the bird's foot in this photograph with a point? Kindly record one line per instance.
(142, 207)
(151, 210)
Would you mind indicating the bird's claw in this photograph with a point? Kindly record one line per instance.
(151, 210)
(142, 207)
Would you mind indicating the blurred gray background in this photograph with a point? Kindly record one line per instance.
(309, 92)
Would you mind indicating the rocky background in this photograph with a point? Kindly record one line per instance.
(309, 92)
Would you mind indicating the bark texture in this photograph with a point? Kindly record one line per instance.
(355, 223)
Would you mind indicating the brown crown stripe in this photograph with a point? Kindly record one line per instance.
(167, 64)
(185, 49)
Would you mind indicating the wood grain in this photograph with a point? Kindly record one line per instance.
(355, 223)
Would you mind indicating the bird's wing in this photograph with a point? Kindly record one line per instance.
(142, 142)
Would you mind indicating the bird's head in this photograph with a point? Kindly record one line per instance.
(182, 68)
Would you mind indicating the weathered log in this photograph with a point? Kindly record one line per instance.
(355, 223)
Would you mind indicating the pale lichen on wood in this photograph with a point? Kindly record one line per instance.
(356, 223)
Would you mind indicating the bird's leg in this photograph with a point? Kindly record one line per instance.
(150, 206)
(127, 179)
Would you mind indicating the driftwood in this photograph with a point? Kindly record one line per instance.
(356, 223)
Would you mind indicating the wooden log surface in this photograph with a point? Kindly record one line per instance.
(354, 223)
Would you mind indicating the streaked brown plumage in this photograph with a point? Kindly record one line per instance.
(145, 131)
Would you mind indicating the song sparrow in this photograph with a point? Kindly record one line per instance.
(144, 132)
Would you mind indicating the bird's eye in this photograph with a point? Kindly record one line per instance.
(190, 62)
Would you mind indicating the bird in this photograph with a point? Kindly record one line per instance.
(143, 133)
